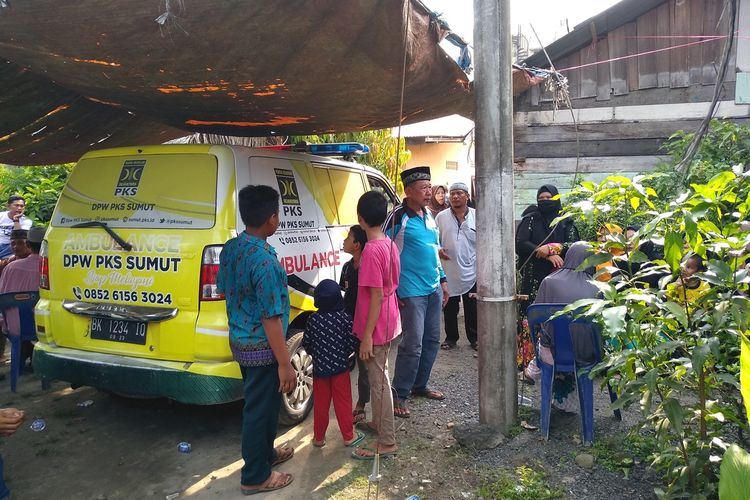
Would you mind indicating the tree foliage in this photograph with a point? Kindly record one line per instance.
(725, 144)
(40, 187)
(386, 153)
(676, 360)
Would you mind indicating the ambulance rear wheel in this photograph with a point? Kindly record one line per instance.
(296, 405)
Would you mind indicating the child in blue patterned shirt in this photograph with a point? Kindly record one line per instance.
(328, 339)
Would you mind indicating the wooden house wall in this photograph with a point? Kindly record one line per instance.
(625, 108)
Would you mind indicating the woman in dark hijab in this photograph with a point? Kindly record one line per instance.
(540, 250)
(439, 201)
(540, 246)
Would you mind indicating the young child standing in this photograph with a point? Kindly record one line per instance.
(257, 301)
(353, 245)
(376, 320)
(328, 339)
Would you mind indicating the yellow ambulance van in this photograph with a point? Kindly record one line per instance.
(129, 302)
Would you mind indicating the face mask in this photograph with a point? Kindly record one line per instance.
(549, 206)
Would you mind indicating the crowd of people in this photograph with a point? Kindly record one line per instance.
(20, 244)
(549, 258)
(406, 267)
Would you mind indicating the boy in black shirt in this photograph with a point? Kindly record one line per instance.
(353, 245)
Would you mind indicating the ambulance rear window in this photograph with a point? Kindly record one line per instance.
(175, 191)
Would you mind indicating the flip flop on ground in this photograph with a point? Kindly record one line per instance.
(359, 436)
(447, 346)
(366, 453)
(275, 481)
(400, 410)
(429, 394)
(283, 453)
(319, 444)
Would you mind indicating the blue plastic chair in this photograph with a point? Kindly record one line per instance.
(565, 362)
(25, 302)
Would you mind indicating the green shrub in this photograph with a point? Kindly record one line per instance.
(524, 483)
(40, 186)
(678, 362)
(383, 148)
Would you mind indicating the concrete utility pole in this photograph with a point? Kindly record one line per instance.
(496, 274)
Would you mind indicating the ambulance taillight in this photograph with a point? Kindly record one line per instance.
(209, 273)
(43, 267)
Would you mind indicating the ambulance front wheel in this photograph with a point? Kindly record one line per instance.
(297, 404)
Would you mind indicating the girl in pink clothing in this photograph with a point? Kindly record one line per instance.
(377, 321)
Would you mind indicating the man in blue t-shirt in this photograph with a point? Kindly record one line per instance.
(422, 290)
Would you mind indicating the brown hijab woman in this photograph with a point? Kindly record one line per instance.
(439, 201)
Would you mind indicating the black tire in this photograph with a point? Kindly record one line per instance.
(296, 405)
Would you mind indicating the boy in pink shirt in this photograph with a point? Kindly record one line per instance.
(376, 320)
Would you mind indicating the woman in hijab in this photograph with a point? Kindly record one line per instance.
(540, 246)
(565, 287)
(438, 202)
(540, 249)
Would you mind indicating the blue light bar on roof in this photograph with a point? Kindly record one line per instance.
(338, 149)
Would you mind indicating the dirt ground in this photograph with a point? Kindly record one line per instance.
(119, 448)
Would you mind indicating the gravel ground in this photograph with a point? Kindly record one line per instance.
(455, 373)
(119, 448)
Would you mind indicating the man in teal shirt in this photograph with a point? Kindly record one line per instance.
(422, 289)
(255, 287)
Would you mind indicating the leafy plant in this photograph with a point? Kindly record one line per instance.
(735, 474)
(676, 360)
(525, 484)
(40, 187)
(621, 451)
(725, 144)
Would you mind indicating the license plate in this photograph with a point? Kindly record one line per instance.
(118, 330)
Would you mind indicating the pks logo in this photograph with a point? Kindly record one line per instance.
(130, 177)
(288, 191)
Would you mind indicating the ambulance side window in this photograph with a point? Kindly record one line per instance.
(347, 188)
(326, 200)
(379, 186)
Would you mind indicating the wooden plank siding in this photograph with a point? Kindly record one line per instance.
(588, 74)
(669, 25)
(663, 21)
(695, 52)
(627, 108)
(631, 39)
(678, 58)
(603, 80)
(647, 72)
(618, 48)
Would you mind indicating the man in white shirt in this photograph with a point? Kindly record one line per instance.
(11, 219)
(458, 236)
